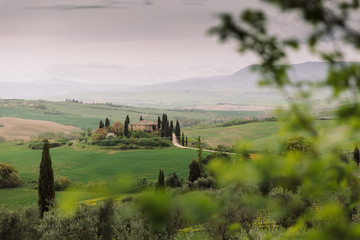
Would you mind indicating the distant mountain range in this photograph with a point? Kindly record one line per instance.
(245, 79)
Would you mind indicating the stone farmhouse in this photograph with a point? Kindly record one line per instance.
(144, 125)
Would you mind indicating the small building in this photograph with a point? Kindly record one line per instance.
(144, 125)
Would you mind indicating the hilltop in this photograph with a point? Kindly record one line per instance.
(237, 88)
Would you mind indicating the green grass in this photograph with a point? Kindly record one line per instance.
(263, 135)
(12, 197)
(89, 115)
(94, 166)
(259, 135)
(90, 166)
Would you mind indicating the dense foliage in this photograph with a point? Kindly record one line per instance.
(8, 176)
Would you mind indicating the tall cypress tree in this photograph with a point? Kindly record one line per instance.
(195, 171)
(141, 118)
(182, 139)
(161, 180)
(186, 142)
(199, 151)
(171, 126)
(164, 124)
(46, 189)
(101, 124)
(177, 130)
(107, 122)
(167, 129)
(357, 155)
(159, 123)
(126, 125)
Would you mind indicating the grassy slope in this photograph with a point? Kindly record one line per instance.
(257, 134)
(262, 135)
(90, 166)
(88, 115)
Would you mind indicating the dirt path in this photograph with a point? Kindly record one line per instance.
(176, 144)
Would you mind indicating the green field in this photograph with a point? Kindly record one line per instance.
(261, 135)
(258, 135)
(93, 166)
(89, 115)
(90, 166)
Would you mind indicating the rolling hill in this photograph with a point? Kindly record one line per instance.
(25, 129)
(233, 89)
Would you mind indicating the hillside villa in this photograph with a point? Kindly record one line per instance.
(144, 125)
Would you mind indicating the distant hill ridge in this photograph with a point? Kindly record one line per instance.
(244, 79)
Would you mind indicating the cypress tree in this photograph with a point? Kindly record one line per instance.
(182, 139)
(164, 125)
(159, 123)
(171, 126)
(186, 142)
(357, 155)
(167, 129)
(46, 189)
(177, 130)
(199, 151)
(126, 125)
(141, 118)
(161, 179)
(101, 124)
(107, 122)
(195, 171)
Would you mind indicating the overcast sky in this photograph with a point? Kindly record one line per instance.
(122, 41)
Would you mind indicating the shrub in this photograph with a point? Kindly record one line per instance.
(9, 177)
(297, 143)
(62, 183)
(202, 183)
(99, 134)
(288, 204)
(38, 144)
(20, 223)
(173, 181)
(216, 155)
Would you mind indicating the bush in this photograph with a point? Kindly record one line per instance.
(203, 183)
(288, 204)
(9, 177)
(38, 144)
(215, 155)
(99, 134)
(19, 224)
(62, 183)
(173, 181)
(297, 143)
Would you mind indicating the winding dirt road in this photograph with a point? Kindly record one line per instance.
(176, 144)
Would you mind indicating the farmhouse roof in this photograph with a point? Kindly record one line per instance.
(144, 123)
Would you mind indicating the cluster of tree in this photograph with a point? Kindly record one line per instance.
(167, 128)
(117, 129)
(184, 140)
(73, 100)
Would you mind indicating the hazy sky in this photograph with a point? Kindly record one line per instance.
(121, 41)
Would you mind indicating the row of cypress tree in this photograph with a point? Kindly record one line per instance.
(165, 126)
(107, 123)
